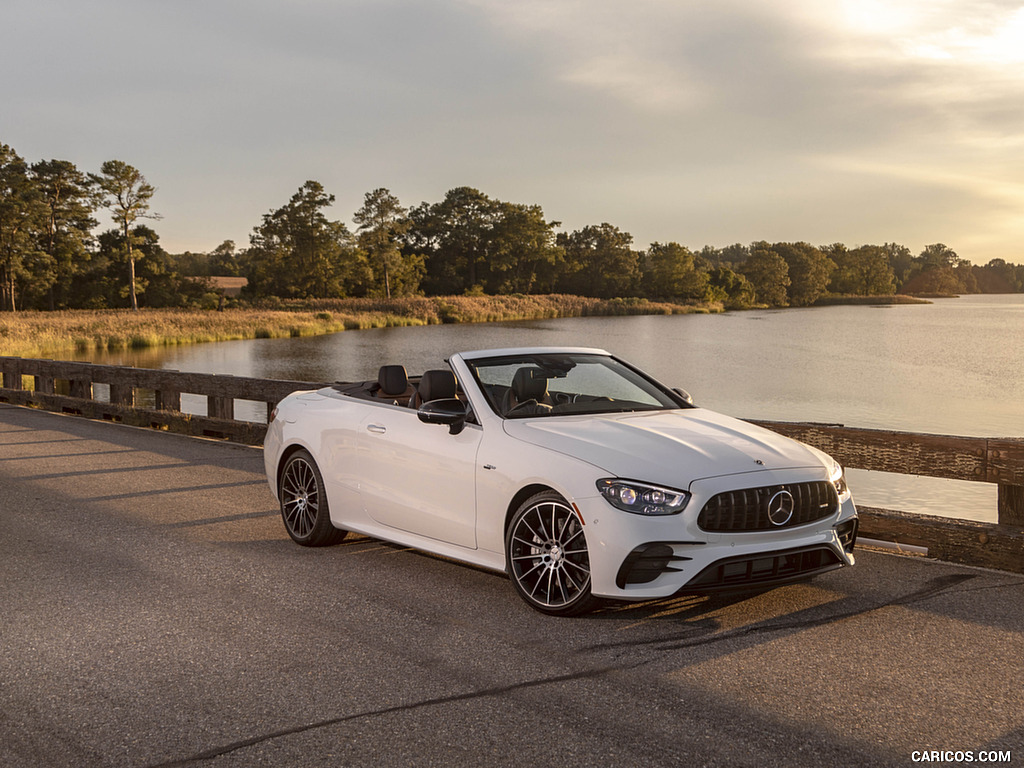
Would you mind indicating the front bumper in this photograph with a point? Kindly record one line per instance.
(637, 558)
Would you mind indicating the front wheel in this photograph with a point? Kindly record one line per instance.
(303, 498)
(547, 556)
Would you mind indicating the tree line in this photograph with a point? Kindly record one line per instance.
(467, 243)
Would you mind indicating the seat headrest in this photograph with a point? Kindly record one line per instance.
(529, 384)
(393, 379)
(436, 385)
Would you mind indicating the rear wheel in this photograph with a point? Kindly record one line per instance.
(547, 555)
(303, 498)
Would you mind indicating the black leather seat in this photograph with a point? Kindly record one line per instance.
(393, 384)
(434, 385)
(527, 393)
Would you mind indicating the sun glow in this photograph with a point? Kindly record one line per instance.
(939, 30)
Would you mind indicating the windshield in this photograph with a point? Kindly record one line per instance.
(557, 384)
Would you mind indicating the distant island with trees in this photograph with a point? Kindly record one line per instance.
(465, 245)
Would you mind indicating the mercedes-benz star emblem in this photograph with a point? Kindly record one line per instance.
(780, 507)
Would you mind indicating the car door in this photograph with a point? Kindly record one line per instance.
(417, 477)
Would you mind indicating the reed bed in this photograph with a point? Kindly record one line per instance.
(835, 299)
(45, 334)
(489, 309)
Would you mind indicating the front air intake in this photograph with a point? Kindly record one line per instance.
(764, 568)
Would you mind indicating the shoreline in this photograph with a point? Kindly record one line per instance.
(44, 334)
(891, 300)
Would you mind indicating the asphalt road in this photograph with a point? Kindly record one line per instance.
(155, 613)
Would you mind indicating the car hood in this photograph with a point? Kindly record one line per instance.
(673, 448)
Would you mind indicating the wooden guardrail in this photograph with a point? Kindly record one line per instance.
(69, 387)
(979, 459)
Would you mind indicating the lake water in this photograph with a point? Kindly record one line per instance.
(953, 367)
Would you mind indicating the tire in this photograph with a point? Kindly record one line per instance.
(304, 509)
(547, 557)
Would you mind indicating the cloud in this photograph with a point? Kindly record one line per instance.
(661, 55)
(698, 122)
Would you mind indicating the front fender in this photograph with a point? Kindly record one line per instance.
(506, 466)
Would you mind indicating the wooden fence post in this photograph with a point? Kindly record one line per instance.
(122, 394)
(167, 400)
(1011, 505)
(12, 374)
(1006, 467)
(81, 388)
(220, 407)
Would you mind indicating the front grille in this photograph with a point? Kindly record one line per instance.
(747, 509)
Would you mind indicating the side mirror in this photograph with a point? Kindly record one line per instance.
(684, 395)
(448, 411)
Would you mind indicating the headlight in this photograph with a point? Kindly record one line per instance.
(641, 498)
(838, 479)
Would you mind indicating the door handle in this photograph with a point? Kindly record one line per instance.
(377, 429)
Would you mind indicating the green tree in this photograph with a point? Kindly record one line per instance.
(164, 286)
(161, 280)
(731, 256)
(734, 290)
(125, 192)
(965, 275)
(22, 219)
(671, 271)
(809, 272)
(768, 272)
(936, 256)
(998, 277)
(297, 252)
(864, 271)
(834, 251)
(941, 281)
(102, 285)
(454, 236)
(521, 250)
(939, 270)
(67, 237)
(223, 260)
(902, 262)
(735, 254)
(382, 221)
(474, 242)
(599, 262)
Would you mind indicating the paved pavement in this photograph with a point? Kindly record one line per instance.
(155, 613)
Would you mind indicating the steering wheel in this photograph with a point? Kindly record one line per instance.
(522, 407)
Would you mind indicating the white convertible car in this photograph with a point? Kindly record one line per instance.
(570, 470)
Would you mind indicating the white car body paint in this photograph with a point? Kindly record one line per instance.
(391, 476)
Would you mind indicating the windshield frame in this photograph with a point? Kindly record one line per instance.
(667, 399)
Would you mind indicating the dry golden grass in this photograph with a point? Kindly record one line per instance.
(843, 298)
(484, 309)
(42, 334)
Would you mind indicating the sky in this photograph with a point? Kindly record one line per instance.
(705, 122)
